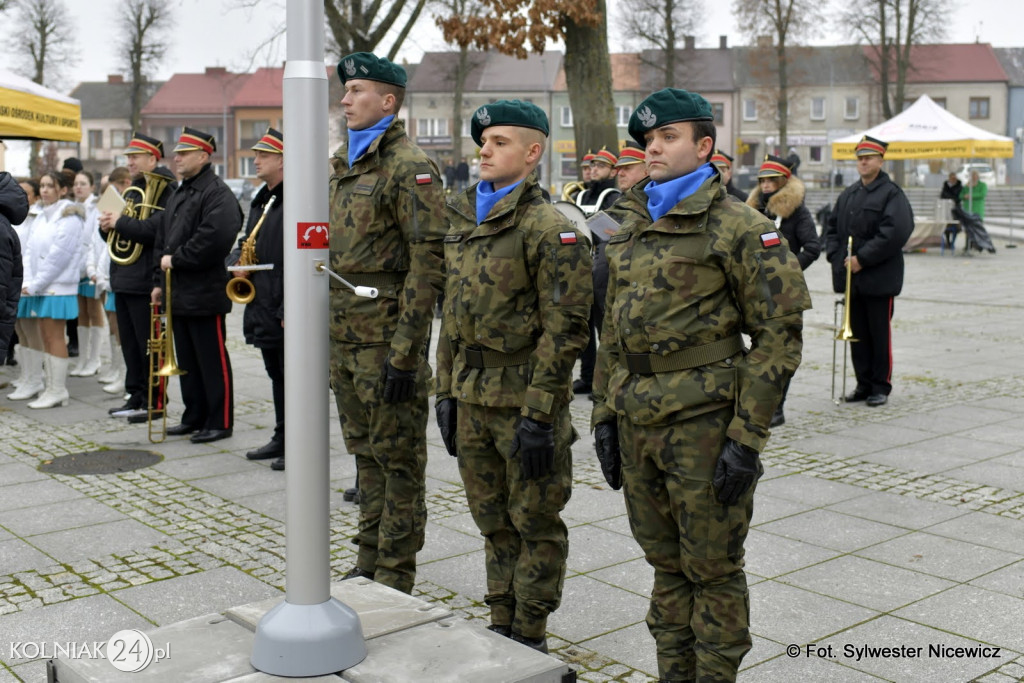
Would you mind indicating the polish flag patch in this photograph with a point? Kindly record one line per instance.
(567, 237)
(423, 179)
(770, 239)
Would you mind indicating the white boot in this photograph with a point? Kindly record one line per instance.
(22, 368)
(92, 365)
(116, 363)
(32, 383)
(56, 393)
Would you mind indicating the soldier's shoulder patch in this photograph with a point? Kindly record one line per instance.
(568, 237)
(770, 239)
(619, 237)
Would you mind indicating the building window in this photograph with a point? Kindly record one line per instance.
(247, 166)
(978, 108)
(815, 153)
(430, 128)
(251, 130)
(751, 156)
(95, 140)
(622, 115)
(718, 111)
(817, 109)
(941, 101)
(750, 110)
(120, 138)
(852, 110)
(568, 167)
(566, 117)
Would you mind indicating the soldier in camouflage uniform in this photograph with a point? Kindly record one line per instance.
(518, 294)
(683, 409)
(387, 223)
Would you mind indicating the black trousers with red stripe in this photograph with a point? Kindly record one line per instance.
(870, 320)
(208, 387)
(134, 323)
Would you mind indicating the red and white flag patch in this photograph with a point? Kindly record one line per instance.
(567, 237)
(423, 179)
(770, 239)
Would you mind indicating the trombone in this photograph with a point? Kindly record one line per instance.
(240, 289)
(846, 333)
(162, 363)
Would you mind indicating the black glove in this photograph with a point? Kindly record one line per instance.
(606, 442)
(535, 442)
(399, 385)
(738, 467)
(446, 410)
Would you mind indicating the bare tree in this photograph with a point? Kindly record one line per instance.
(787, 22)
(145, 27)
(660, 23)
(515, 26)
(463, 65)
(890, 28)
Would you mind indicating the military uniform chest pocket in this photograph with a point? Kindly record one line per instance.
(686, 270)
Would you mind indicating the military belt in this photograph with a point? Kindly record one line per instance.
(476, 357)
(683, 359)
(385, 279)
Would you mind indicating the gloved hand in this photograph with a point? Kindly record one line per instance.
(606, 442)
(446, 410)
(535, 442)
(738, 467)
(399, 385)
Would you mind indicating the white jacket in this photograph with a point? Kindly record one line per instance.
(94, 248)
(23, 230)
(53, 251)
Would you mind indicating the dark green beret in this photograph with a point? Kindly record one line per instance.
(369, 66)
(666, 106)
(508, 113)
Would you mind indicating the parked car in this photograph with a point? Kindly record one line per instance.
(986, 173)
(242, 188)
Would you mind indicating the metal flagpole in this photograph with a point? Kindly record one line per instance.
(310, 633)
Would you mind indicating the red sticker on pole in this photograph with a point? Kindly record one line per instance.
(313, 236)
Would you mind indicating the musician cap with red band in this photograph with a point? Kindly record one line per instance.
(272, 141)
(774, 166)
(869, 145)
(720, 159)
(143, 144)
(630, 155)
(192, 139)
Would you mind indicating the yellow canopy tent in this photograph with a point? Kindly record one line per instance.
(28, 111)
(924, 130)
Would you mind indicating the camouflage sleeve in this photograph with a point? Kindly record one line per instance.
(770, 291)
(420, 211)
(608, 348)
(565, 291)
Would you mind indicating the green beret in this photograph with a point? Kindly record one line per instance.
(508, 113)
(666, 106)
(369, 66)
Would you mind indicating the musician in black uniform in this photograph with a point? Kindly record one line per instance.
(132, 283)
(196, 234)
(263, 323)
(723, 162)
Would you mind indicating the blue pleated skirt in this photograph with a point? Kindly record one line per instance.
(109, 304)
(55, 307)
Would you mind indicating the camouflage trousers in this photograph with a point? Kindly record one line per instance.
(700, 609)
(525, 540)
(388, 441)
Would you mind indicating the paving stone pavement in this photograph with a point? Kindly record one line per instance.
(899, 527)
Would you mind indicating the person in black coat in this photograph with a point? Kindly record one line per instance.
(723, 162)
(263, 321)
(951, 188)
(876, 213)
(779, 195)
(13, 210)
(197, 231)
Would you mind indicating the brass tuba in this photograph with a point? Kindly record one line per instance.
(240, 289)
(571, 189)
(137, 204)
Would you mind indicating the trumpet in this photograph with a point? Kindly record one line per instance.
(846, 333)
(124, 251)
(240, 289)
(162, 363)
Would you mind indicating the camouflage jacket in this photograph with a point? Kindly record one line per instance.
(387, 223)
(520, 282)
(708, 270)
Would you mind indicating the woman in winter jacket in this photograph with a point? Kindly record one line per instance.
(779, 195)
(91, 330)
(53, 256)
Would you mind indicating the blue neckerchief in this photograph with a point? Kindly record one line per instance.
(487, 197)
(663, 196)
(360, 140)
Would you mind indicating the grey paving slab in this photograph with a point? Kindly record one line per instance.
(769, 555)
(464, 523)
(1009, 580)
(274, 504)
(18, 473)
(100, 539)
(979, 528)
(201, 466)
(922, 458)
(591, 504)
(761, 650)
(841, 446)
(619, 525)
(442, 542)
(17, 555)
(85, 620)
(903, 511)
(787, 614)
(768, 508)
(185, 597)
(590, 608)
(32, 493)
(592, 547)
(1000, 472)
(974, 613)
(463, 575)
(832, 530)
(636, 576)
(70, 514)
(805, 489)
(238, 484)
(783, 669)
(939, 556)
(632, 645)
(867, 583)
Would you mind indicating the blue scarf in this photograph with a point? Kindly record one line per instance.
(661, 197)
(360, 140)
(487, 197)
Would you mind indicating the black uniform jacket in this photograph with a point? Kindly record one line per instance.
(13, 210)
(880, 219)
(263, 315)
(795, 222)
(197, 230)
(137, 278)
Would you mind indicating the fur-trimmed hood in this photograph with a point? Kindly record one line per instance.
(784, 202)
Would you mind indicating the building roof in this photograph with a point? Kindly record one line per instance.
(261, 89)
(625, 73)
(487, 72)
(696, 69)
(1012, 61)
(205, 93)
(110, 99)
(839, 65)
(951, 63)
